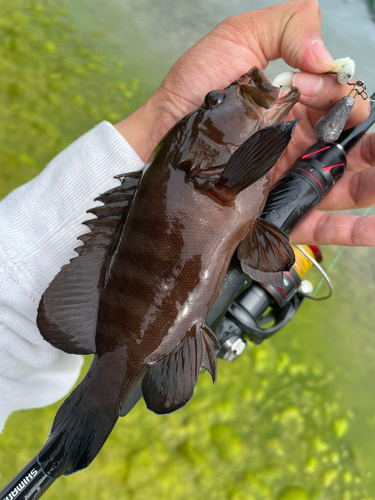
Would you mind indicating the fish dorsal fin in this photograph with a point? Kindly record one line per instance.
(169, 384)
(68, 309)
(265, 253)
(253, 159)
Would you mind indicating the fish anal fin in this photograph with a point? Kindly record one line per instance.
(67, 312)
(253, 159)
(265, 253)
(169, 383)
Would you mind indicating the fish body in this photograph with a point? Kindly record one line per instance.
(151, 268)
(161, 276)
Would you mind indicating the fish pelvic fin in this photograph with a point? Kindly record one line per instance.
(68, 309)
(169, 383)
(265, 253)
(253, 159)
(86, 418)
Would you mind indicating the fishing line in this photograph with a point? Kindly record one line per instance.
(334, 262)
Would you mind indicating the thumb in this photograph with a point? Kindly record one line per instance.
(290, 30)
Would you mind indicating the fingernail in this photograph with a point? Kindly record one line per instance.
(308, 83)
(321, 53)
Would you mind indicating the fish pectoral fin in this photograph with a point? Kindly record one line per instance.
(265, 253)
(169, 383)
(68, 309)
(253, 159)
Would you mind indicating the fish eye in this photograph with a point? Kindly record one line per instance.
(213, 98)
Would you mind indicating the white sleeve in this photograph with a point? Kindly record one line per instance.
(39, 225)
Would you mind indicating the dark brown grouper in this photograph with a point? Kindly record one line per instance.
(153, 264)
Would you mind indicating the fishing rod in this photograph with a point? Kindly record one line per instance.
(240, 309)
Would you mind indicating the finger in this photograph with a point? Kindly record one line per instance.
(354, 190)
(321, 92)
(320, 228)
(356, 187)
(362, 156)
(290, 30)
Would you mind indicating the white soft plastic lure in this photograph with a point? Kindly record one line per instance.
(344, 68)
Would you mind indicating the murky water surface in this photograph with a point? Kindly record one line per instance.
(293, 419)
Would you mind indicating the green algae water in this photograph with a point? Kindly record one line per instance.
(292, 419)
(54, 86)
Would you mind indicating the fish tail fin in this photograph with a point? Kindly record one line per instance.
(85, 420)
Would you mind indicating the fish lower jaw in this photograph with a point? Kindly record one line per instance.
(282, 107)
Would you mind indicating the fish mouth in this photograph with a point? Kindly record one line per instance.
(255, 85)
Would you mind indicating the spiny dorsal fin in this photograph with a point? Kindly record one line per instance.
(253, 159)
(111, 215)
(169, 384)
(265, 253)
(68, 309)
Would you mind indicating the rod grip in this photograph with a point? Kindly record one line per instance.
(304, 185)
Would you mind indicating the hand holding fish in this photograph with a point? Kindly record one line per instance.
(289, 30)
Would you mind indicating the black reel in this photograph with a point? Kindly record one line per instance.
(255, 308)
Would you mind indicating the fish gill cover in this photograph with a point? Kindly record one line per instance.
(275, 427)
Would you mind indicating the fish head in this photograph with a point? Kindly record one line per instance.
(232, 115)
(227, 118)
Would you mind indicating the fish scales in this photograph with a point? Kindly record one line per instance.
(138, 294)
(172, 234)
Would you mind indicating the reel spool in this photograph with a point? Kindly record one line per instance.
(260, 304)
